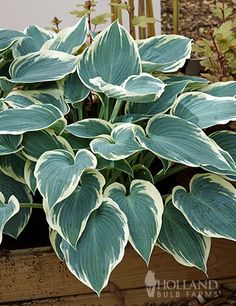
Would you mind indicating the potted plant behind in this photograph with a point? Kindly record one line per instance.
(98, 129)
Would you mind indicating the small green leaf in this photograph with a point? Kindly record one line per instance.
(101, 19)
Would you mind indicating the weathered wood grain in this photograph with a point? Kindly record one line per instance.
(36, 274)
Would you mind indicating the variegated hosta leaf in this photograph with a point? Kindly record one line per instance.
(30, 179)
(56, 240)
(119, 145)
(204, 110)
(180, 141)
(226, 140)
(42, 66)
(143, 208)
(36, 143)
(192, 80)
(69, 39)
(10, 144)
(8, 37)
(100, 248)
(210, 206)
(121, 165)
(58, 173)
(221, 89)
(74, 90)
(31, 118)
(162, 104)
(179, 239)
(9, 187)
(23, 98)
(90, 128)
(113, 56)
(7, 211)
(69, 217)
(13, 166)
(36, 37)
(143, 88)
(164, 53)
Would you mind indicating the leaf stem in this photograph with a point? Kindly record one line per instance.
(31, 205)
(161, 176)
(116, 110)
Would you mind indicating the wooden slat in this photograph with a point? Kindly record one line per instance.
(37, 273)
(133, 297)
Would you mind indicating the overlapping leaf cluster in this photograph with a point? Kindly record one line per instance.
(95, 133)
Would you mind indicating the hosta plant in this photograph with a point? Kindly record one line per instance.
(120, 147)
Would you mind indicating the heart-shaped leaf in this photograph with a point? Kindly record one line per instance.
(143, 88)
(42, 66)
(119, 145)
(103, 240)
(164, 53)
(179, 239)
(143, 208)
(210, 206)
(113, 56)
(69, 39)
(90, 128)
(204, 110)
(58, 173)
(24, 119)
(69, 217)
(180, 141)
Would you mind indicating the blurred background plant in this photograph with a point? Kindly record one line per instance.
(144, 21)
(217, 46)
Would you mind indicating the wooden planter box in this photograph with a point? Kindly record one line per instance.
(37, 277)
